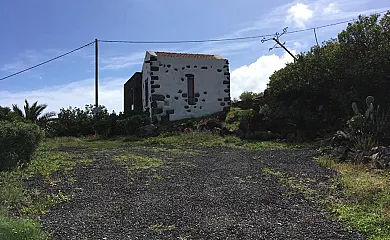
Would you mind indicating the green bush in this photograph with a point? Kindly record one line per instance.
(314, 94)
(237, 114)
(20, 229)
(18, 141)
(131, 124)
(76, 122)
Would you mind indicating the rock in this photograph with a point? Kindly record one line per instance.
(340, 139)
(211, 124)
(261, 135)
(224, 131)
(250, 135)
(203, 128)
(291, 136)
(239, 133)
(148, 131)
(340, 152)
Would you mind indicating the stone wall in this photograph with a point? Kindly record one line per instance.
(133, 94)
(165, 79)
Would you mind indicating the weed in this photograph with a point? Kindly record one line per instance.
(138, 162)
(20, 229)
(42, 206)
(292, 182)
(159, 228)
(208, 139)
(364, 200)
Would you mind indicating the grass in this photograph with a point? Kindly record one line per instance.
(292, 182)
(133, 162)
(29, 204)
(20, 229)
(207, 139)
(159, 228)
(180, 141)
(364, 201)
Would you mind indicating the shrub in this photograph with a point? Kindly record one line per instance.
(7, 115)
(18, 141)
(237, 114)
(76, 122)
(131, 124)
(20, 229)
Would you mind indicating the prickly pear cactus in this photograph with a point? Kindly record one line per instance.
(355, 108)
(369, 101)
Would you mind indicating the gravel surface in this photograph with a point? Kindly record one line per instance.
(220, 193)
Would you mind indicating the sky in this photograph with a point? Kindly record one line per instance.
(35, 31)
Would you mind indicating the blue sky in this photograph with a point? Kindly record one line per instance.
(34, 31)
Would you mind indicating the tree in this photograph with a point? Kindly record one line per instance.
(316, 92)
(33, 112)
(249, 96)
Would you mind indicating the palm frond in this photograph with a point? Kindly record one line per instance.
(17, 110)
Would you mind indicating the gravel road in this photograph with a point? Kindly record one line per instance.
(218, 193)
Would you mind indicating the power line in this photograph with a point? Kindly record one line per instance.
(227, 39)
(40, 64)
(178, 42)
(186, 41)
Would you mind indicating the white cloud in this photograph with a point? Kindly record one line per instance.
(332, 8)
(299, 14)
(13, 67)
(255, 77)
(120, 62)
(75, 94)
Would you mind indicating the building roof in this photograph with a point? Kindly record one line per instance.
(185, 55)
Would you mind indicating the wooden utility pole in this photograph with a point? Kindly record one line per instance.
(96, 74)
(292, 55)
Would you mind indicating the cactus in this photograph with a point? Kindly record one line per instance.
(369, 111)
(373, 121)
(355, 108)
(369, 101)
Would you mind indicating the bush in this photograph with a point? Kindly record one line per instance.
(236, 115)
(131, 125)
(76, 122)
(18, 141)
(20, 229)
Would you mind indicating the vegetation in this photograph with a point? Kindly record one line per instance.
(34, 112)
(312, 97)
(364, 201)
(249, 96)
(18, 141)
(27, 205)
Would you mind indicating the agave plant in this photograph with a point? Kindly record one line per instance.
(34, 112)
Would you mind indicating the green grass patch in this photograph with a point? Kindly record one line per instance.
(53, 143)
(364, 201)
(178, 142)
(135, 162)
(160, 228)
(292, 182)
(29, 204)
(20, 229)
(208, 139)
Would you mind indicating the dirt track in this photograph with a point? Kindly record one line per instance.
(217, 193)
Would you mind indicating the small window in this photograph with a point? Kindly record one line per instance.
(146, 93)
(191, 89)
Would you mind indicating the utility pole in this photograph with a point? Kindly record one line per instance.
(96, 74)
(277, 41)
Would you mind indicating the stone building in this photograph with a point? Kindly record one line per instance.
(174, 86)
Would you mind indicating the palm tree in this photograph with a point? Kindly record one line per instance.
(33, 113)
